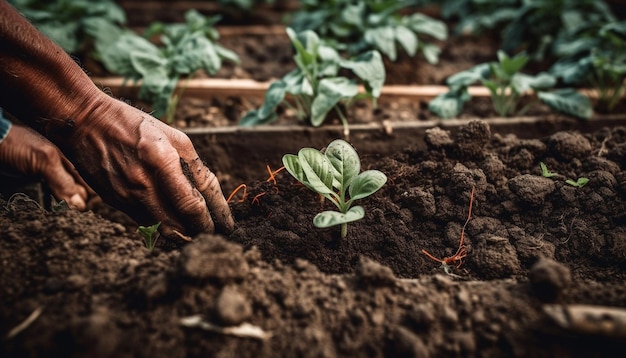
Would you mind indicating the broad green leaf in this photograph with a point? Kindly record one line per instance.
(344, 161)
(407, 39)
(366, 184)
(317, 171)
(522, 82)
(353, 14)
(148, 65)
(468, 77)
(423, 24)
(116, 57)
(330, 92)
(568, 101)
(382, 38)
(226, 54)
(306, 44)
(449, 105)
(331, 218)
(511, 65)
(274, 95)
(431, 53)
(252, 118)
(370, 68)
(292, 164)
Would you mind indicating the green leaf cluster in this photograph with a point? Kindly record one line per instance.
(336, 175)
(66, 22)
(357, 26)
(507, 85)
(595, 58)
(183, 49)
(532, 25)
(316, 86)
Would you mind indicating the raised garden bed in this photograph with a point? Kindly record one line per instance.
(544, 272)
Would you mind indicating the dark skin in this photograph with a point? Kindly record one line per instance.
(132, 160)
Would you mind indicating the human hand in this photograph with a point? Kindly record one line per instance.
(147, 169)
(29, 153)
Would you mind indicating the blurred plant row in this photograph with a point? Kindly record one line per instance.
(340, 44)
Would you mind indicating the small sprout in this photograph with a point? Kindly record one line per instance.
(545, 172)
(335, 175)
(60, 207)
(150, 235)
(578, 183)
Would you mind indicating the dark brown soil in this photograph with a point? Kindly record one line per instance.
(544, 274)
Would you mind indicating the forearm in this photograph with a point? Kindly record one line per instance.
(39, 82)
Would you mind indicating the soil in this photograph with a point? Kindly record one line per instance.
(543, 274)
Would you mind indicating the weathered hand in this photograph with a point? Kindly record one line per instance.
(29, 153)
(148, 169)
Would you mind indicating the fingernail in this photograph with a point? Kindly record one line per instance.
(77, 202)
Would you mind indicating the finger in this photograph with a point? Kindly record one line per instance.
(175, 195)
(63, 184)
(206, 182)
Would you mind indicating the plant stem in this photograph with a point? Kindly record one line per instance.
(344, 230)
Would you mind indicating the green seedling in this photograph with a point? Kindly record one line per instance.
(336, 175)
(507, 86)
(545, 172)
(579, 183)
(150, 235)
(316, 87)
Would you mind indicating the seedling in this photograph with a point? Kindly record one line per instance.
(316, 86)
(579, 183)
(545, 172)
(461, 252)
(335, 175)
(507, 86)
(150, 235)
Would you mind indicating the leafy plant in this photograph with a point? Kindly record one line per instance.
(356, 26)
(66, 22)
(336, 175)
(595, 58)
(531, 25)
(545, 172)
(316, 85)
(579, 183)
(150, 235)
(507, 85)
(184, 49)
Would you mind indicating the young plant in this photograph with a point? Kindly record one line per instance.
(597, 59)
(184, 49)
(316, 86)
(150, 235)
(545, 172)
(336, 175)
(507, 85)
(579, 183)
(356, 26)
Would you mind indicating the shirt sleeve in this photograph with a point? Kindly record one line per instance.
(5, 126)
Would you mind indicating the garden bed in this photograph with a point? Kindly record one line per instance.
(544, 273)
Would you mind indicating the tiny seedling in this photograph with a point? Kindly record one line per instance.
(579, 183)
(150, 235)
(545, 172)
(335, 174)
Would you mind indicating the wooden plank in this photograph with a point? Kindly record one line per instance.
(208, 87)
